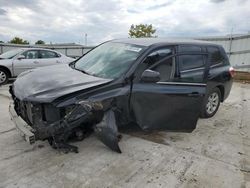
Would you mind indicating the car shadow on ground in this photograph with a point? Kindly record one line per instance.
(157, 136)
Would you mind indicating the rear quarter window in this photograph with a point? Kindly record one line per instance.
(215, 56)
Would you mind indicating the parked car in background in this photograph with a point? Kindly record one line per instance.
(14, 62)
(157, 84)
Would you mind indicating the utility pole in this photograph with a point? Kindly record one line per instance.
(86, 39)
(231, 41)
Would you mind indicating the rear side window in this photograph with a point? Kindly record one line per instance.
(188, 62)
(44, 54)
(215, 56)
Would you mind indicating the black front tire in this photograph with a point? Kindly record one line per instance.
(4, 76)
(205, 112)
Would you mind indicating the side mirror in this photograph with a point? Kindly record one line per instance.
(21, 57)
(150, 76)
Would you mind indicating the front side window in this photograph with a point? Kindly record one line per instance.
(165, 68)
(158, 55)
(155, 61)
(31, 54)
(109, 60)
(44, 54)
(187, 62)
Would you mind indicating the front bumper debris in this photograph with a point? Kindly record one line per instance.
(84, 117)
(22, 127)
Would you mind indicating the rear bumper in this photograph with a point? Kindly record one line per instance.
(22, 127)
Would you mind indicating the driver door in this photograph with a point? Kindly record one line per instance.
(169, 103)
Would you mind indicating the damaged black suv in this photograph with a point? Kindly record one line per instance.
(157, 84)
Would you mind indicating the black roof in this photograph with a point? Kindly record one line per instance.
(152, 41)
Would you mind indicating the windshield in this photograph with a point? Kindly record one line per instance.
(109, 60)
(10, 54)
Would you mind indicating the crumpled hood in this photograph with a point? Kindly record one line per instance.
(48, 83)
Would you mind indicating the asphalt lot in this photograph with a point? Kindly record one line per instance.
(216, 154)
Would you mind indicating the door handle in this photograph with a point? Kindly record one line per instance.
(58, 61)
(194, 94)
(36, 62)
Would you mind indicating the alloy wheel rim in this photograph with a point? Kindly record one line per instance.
(212, 103)
(2, 77)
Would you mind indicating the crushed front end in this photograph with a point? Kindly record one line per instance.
(45, 121)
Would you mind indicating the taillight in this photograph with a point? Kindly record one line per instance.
(232, 71)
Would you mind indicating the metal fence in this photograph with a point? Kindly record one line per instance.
(237, 48)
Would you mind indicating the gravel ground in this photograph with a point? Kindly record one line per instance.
(215, 154)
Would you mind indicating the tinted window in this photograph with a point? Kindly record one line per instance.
(158, 55)
(31, 54)
(189, 48)
(187, 62)
(165, 69)
(44, 54)
(215, 56)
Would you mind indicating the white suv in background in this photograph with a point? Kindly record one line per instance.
(14, 62)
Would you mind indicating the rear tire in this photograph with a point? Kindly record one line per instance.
(211, 103)
(4, 76)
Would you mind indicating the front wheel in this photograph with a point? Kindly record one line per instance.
(4, 77)
(211, 103)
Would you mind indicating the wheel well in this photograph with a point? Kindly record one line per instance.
(222, 91)
(6, 69)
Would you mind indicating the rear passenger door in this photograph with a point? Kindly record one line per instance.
(47, 58)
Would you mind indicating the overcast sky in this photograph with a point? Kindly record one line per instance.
(64, 21)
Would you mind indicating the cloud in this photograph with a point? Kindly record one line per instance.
(2, 11)
(217, 1)
(61, 21)
(133, 11)
(162, 5)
